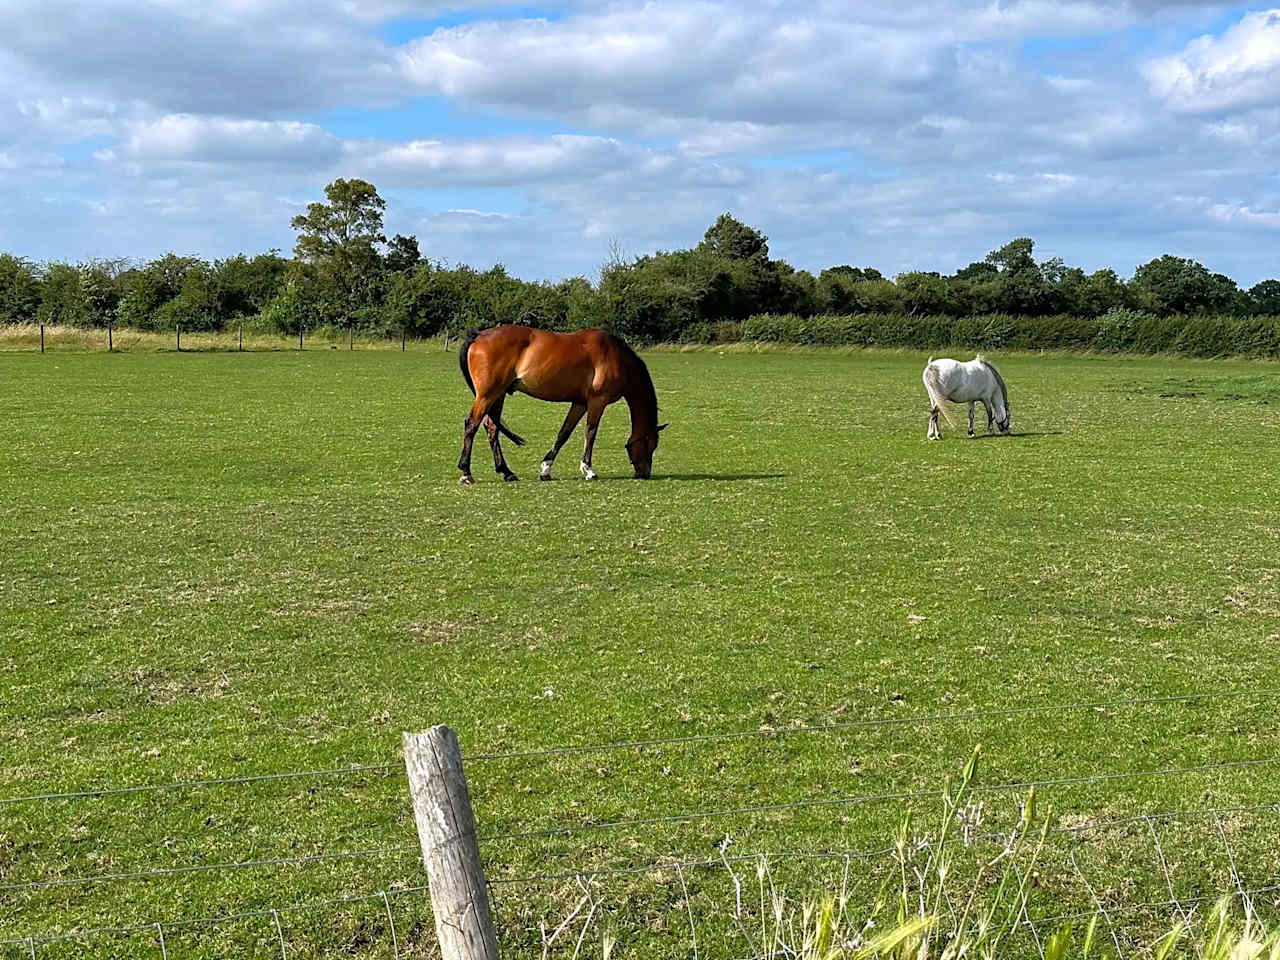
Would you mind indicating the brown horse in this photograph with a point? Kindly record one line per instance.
(588, 370)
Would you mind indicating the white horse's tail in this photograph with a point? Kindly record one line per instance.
(934, 388)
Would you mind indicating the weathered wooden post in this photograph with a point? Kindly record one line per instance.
(404, 334)
(447, 832)
(299, 336)
(110, 339)
(42, 338)
(242, 337)
(178, 326)
(351, 341)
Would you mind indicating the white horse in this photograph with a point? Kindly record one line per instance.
(966, 383)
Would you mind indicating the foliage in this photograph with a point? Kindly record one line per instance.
(345, 273)
(19, 290)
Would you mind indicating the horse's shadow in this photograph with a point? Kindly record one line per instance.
(1018, 435)
(707, 476)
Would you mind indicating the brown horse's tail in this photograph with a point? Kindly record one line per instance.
(466, 375)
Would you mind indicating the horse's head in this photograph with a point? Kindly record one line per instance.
(640, 450)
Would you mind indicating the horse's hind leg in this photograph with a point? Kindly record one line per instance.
(491, 428)
(566, 430)
(472, 422)
(970, 418)
(934, 433)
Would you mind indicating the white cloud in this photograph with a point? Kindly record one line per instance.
(1212, 74)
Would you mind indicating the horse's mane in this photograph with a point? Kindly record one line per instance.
(632, 359)
(1004, 391)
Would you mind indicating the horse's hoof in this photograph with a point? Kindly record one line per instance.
(510, 477)
(467, 480)
(544, 476)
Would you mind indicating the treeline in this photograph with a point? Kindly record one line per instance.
(344, 273)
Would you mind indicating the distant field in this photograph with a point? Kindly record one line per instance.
(223, 565)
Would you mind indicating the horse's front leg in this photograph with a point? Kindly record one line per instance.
(491, 427)
(566, 430)
(970, 418)
(595, 411)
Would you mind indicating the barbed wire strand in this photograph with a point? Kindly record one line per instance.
(413, 849)
(877, 722)
(201, 784)
(221, 918)
(1181, 902)
(862, 799)
(387, 768)
(206, 867)
(1072, 831)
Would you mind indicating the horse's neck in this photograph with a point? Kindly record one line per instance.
(642, 401)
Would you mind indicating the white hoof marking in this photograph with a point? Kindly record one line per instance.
(587, 471)
(545, 470)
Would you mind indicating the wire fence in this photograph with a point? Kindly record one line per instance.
(1075, 831)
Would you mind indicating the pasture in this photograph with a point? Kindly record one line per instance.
(226, 565)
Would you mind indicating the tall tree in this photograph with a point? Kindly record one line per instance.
(340, 239)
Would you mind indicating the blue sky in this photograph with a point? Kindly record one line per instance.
(902, 135)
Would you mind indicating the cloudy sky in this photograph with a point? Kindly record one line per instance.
(899, 134)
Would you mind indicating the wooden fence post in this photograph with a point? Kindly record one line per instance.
(110, 339)
(242, 336)
(178, 326)
(42, 338)
(447, 832)
(404, 334)
(299, 336)
(351, 337)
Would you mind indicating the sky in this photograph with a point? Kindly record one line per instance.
(899, 134)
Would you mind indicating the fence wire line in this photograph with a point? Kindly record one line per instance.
(667, 865)
(205, 867)
(221, 918)
(861, 799)
(1179, 902)
(878, 722)
(201, 784)
(1073, 831)
(387, 768)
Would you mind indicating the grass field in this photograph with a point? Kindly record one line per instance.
(223, 565)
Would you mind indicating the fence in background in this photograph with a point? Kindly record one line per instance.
(91, 338)
(450, 843)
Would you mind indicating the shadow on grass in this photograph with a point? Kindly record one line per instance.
(1016, 435)
(713, 476)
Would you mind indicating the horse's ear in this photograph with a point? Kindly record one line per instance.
(663, 426)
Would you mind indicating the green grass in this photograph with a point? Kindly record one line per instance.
(219, 565)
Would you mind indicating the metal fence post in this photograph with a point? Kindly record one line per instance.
(447, 832)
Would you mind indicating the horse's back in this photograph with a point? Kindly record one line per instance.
(561, 367)
(955, 380)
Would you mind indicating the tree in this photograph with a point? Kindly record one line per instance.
(402, 254)
(339, 240)
(19, 290)
(732, 238)
(1170, 284)
(1264, 298)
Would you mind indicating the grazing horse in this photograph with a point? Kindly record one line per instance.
(587, 370)
(966, 383)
